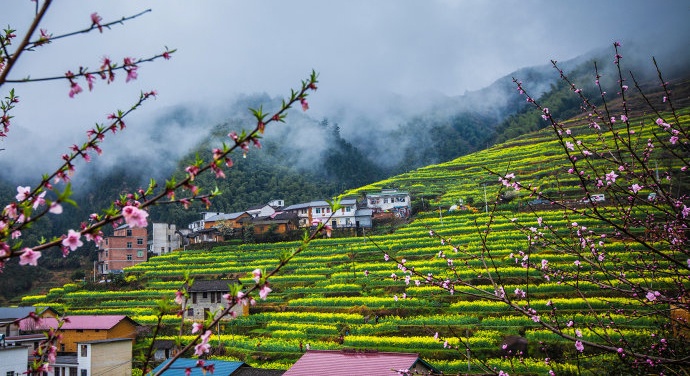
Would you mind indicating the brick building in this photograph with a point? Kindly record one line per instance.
(126, 247)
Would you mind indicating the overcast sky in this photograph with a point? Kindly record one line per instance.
(362, 50)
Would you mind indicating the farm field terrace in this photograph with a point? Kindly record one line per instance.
(345, 287)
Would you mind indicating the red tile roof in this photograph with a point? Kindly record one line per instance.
(351, 363)
(75, 322)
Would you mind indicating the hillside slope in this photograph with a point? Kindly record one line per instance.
(341, 290)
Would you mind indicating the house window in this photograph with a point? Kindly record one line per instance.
(140, 241)
(72, 371)
(62, 347)
(213, 298)
(334, 223)
(57, 371)
(162, 249)
(105, 266)
(140, 253)
(129, 257)
(84, 372)
(190, 311)
(347, 209)
(385, 200)
(205, 295)
(83, 350)
(106, 253)
(218, 294)
(194, 298)
(10, 373)
(318, 210)
(169, 238)
(106, 241)
(129, 244)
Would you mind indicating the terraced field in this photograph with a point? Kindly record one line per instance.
(345, 287)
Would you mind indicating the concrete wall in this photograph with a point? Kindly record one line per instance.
(13, 359)
(108, 358)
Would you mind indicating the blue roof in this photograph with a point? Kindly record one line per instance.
(223, 367)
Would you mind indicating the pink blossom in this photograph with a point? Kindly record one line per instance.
(611, 176)
(578, 333)
(134, 216)
(178, 297)
(72, 240)
(22, 193)
(201, 348)
(579, 346)
(96, 20)
(29, 257)
(55, 208)
(623, 117)
(395, 297)
(651, 296)
(130, 68)
(256, 275)
(264, 291)
(673, 139)
(636, 188)
(570, 145)
(366, 273)
(305, 105)
(386, 257)
(197, 327)
(74, 89)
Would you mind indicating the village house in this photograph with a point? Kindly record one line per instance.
(207, 296)
(266, 210)
(390, 200)
(315, 212)
(358, 362)
(11, 316)
(200, 224)
(14, 360)
(127, 247)
(281, 222)
(111, 356)
(83, 328)
(164, 238)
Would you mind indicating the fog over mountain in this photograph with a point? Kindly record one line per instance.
(383, 66)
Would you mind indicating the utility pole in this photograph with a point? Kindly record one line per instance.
(486, 203)
(440, 214)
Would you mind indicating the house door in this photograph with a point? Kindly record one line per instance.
(334, 223)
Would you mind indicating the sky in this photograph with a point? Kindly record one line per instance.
(363, 50)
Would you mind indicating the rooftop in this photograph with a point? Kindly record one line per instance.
(223, 367)
(352, 362)
(75, 322)
(18, 312)
(201, 285)
(345, 201)
(224, 217)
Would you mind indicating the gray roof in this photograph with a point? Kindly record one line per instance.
(364, 212)
(224, 217)
(345, 201)
(66, 360)
(18, 312)
(201, 285)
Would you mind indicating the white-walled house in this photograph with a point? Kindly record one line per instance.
(14, 360)
(390, 200)
(348, 216)
(105, 357)
(199, 225)
(266, 210)
(164, 238)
